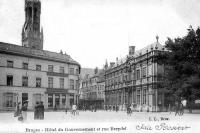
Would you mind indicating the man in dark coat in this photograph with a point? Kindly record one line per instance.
(36, 112)
(41, 111)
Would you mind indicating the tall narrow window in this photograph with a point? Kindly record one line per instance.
(38, 82)
(50, 68)
(25, 66)
(8, 100)
(138, 74)
(30, 12)
(9, 63)
(9, 80)
(50, 100)
(24, 97)
(61, 82)
(144, 72)
(71, 84)
(62, 70)
(50, 82)
(63, 100)
(138, 97)
(144, 96)
(77, 84)
(71, 71)
(35, 14)
(24, 81)
(77, 71)
(38, 67)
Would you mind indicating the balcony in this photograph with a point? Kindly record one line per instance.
(128, 82)
(57, 74)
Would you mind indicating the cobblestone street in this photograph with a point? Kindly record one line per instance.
(102, 116)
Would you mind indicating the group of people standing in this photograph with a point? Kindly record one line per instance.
(21, 113)
(39, 111)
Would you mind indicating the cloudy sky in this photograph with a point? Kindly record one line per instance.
(91, 31)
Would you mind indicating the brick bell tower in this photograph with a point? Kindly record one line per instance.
(32, 35)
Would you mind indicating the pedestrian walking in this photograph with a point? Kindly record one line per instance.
(95, 108)
(131, 109)
(117, 108)
(66, 109)
(128, 110)
(74, 109)
(55, 107)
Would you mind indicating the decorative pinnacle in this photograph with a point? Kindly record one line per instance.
(157, 37)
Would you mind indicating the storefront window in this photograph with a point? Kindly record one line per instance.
(8, 100)
(50, 100)
(57, 100)
(9, 80)
(63, 99)
(71, 99)
(144, 96)
(24, 97)
(138, 96)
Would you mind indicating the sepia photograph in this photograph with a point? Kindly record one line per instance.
(99, 66)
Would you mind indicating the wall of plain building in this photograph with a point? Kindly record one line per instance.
(18, 72)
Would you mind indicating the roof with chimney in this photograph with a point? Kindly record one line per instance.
(153, 46)
(86, 72)
(35, 53)
(150, 47)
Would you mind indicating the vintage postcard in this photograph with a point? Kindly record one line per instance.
(99, 66)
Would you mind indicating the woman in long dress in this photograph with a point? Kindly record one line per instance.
(17, 110)
(24, 111)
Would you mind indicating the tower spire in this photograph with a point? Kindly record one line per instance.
(32, 36)
(157, 37)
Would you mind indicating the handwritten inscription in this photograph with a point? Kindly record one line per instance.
(162, 126)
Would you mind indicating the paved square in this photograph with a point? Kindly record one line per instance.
(101, 116)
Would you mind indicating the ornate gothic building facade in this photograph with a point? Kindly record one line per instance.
(134, 81)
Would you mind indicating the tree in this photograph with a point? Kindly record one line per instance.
(182, 66)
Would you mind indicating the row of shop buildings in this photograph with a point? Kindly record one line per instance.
(132, 81)
(92, 90)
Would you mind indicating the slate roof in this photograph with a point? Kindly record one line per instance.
(35, 53)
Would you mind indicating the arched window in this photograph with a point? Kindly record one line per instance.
(35, 12)
(30, 11)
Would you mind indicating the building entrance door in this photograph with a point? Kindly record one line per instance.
(57, 100)
(71, 99)
(24, 97)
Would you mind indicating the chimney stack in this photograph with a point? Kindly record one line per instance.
(131, 50)
(96, 70)
(112, 64)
